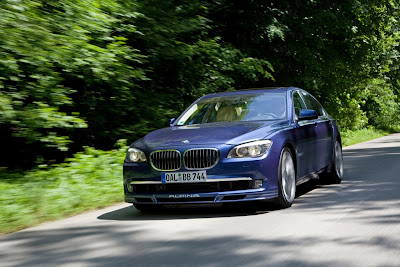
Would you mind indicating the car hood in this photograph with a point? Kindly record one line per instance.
(210, 133)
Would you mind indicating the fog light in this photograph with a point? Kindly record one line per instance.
(257, 183)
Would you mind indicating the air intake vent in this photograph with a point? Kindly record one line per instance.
(166, 160)
(203, 158)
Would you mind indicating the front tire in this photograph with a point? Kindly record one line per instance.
(286, 179)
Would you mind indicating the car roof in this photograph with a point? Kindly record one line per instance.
(252, 91)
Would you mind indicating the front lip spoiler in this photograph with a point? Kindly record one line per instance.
(202, 198)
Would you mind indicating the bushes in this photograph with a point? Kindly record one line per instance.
(381, 104)
(347, 111)
(90, 179)
(371, 103)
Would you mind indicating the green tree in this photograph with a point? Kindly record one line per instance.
(89, 72)
(331, 48)
(62, 67)
(184, 62)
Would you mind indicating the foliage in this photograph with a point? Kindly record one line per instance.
(380, 104)
(90, 179)
(60, 63)
(89, 72)
(184, 62)
(334, 49)
(346, 107)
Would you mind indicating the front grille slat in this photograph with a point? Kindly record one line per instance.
(167, 162)
(162, 161)
(194, 157)
(201, 158)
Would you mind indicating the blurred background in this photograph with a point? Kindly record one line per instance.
(88, 73)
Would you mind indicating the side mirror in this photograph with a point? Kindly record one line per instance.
(307, 114)
(169, 122)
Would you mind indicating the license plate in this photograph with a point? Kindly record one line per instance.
(184, 177)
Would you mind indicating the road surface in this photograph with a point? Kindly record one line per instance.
(356, 223)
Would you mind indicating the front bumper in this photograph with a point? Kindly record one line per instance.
(226, 182)
(192, 197)
(201, 198)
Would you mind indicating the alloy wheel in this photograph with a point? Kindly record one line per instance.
(288, 177)
(338, 160)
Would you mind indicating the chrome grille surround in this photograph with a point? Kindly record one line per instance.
(166, 160)
(200, 158)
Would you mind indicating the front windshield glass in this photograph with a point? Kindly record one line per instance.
(249, 107)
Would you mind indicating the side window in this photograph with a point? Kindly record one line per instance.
(313, 104)
(298, 103)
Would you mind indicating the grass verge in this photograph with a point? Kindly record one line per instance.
(91, 179)
(358, 136)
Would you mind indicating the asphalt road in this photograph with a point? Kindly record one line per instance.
(356, 223)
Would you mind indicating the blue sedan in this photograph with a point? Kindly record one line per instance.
(237, 146)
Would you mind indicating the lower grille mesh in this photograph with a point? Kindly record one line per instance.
(194, 199)
(192, 187)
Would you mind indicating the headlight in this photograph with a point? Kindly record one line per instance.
(135, 155)
(250, 150)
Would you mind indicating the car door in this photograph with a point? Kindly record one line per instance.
(306, 136)
(324, 132)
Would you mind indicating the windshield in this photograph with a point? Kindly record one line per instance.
(248, 107)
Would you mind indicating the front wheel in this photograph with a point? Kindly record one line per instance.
(286, 179)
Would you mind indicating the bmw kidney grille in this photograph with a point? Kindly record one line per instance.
(166, 160)
(170, 160)
(204, 158)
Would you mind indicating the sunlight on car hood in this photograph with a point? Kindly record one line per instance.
(210, 133)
